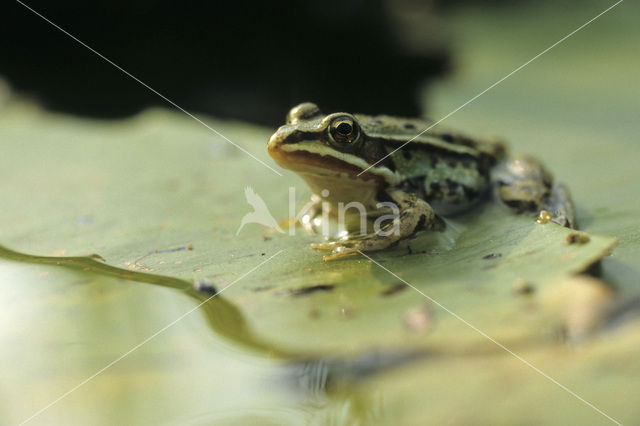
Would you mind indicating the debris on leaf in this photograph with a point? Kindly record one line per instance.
(97, 257)
(492, 256)
(397, 288)
(523, 287)
(578, 238)
(303, 291)
(418, 320)
(205, 286)
(583, 303)
(138, 261)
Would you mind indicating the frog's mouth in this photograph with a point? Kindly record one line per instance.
(308, 162)
(307, 158)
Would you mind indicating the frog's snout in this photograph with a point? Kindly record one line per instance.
(277, 139)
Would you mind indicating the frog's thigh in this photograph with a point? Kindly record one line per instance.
(523, 184)
(415, 214)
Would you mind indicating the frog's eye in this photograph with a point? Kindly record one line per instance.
(344, 131)
(305, 111)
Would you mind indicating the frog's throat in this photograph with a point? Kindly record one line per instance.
(310, 158)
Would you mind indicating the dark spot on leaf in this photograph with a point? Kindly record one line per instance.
(523, 287)
(409, 126)
(303, 291)
(205, 287)
(262, 288)
(492, 256)
(577, 238)
(396, 288)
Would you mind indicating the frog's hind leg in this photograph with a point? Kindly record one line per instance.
(415, 214)
(524, 185)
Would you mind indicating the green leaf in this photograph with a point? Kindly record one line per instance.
(159, 198)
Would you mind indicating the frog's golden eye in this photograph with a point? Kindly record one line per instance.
(344, 131)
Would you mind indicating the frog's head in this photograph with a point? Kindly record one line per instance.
(322, 148)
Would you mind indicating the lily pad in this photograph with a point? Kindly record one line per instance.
(159, 198)
(141, 196)
(146, 203)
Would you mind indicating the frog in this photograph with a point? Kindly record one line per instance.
(428, 172)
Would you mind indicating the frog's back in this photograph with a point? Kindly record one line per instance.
(448, 169)
(399, 130)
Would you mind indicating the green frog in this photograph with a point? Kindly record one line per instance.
(428, 175)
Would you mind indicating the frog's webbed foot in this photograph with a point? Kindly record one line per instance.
(415, 214)
(352, 245)
(524, 185)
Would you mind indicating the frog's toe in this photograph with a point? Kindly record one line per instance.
(326, 246)
(340, 253)
(339, 249)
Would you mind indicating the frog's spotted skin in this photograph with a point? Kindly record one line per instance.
(356, 158)
(450, 183)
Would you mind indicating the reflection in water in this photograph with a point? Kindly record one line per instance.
(322, 390)
(330, 385)
(311, 377)
(316, 376)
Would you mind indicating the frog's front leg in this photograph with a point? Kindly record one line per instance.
(414, 214)
(523, 184)
(309, 220)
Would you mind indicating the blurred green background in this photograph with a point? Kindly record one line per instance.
(300, 341)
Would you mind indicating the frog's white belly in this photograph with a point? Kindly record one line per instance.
(343, 188)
